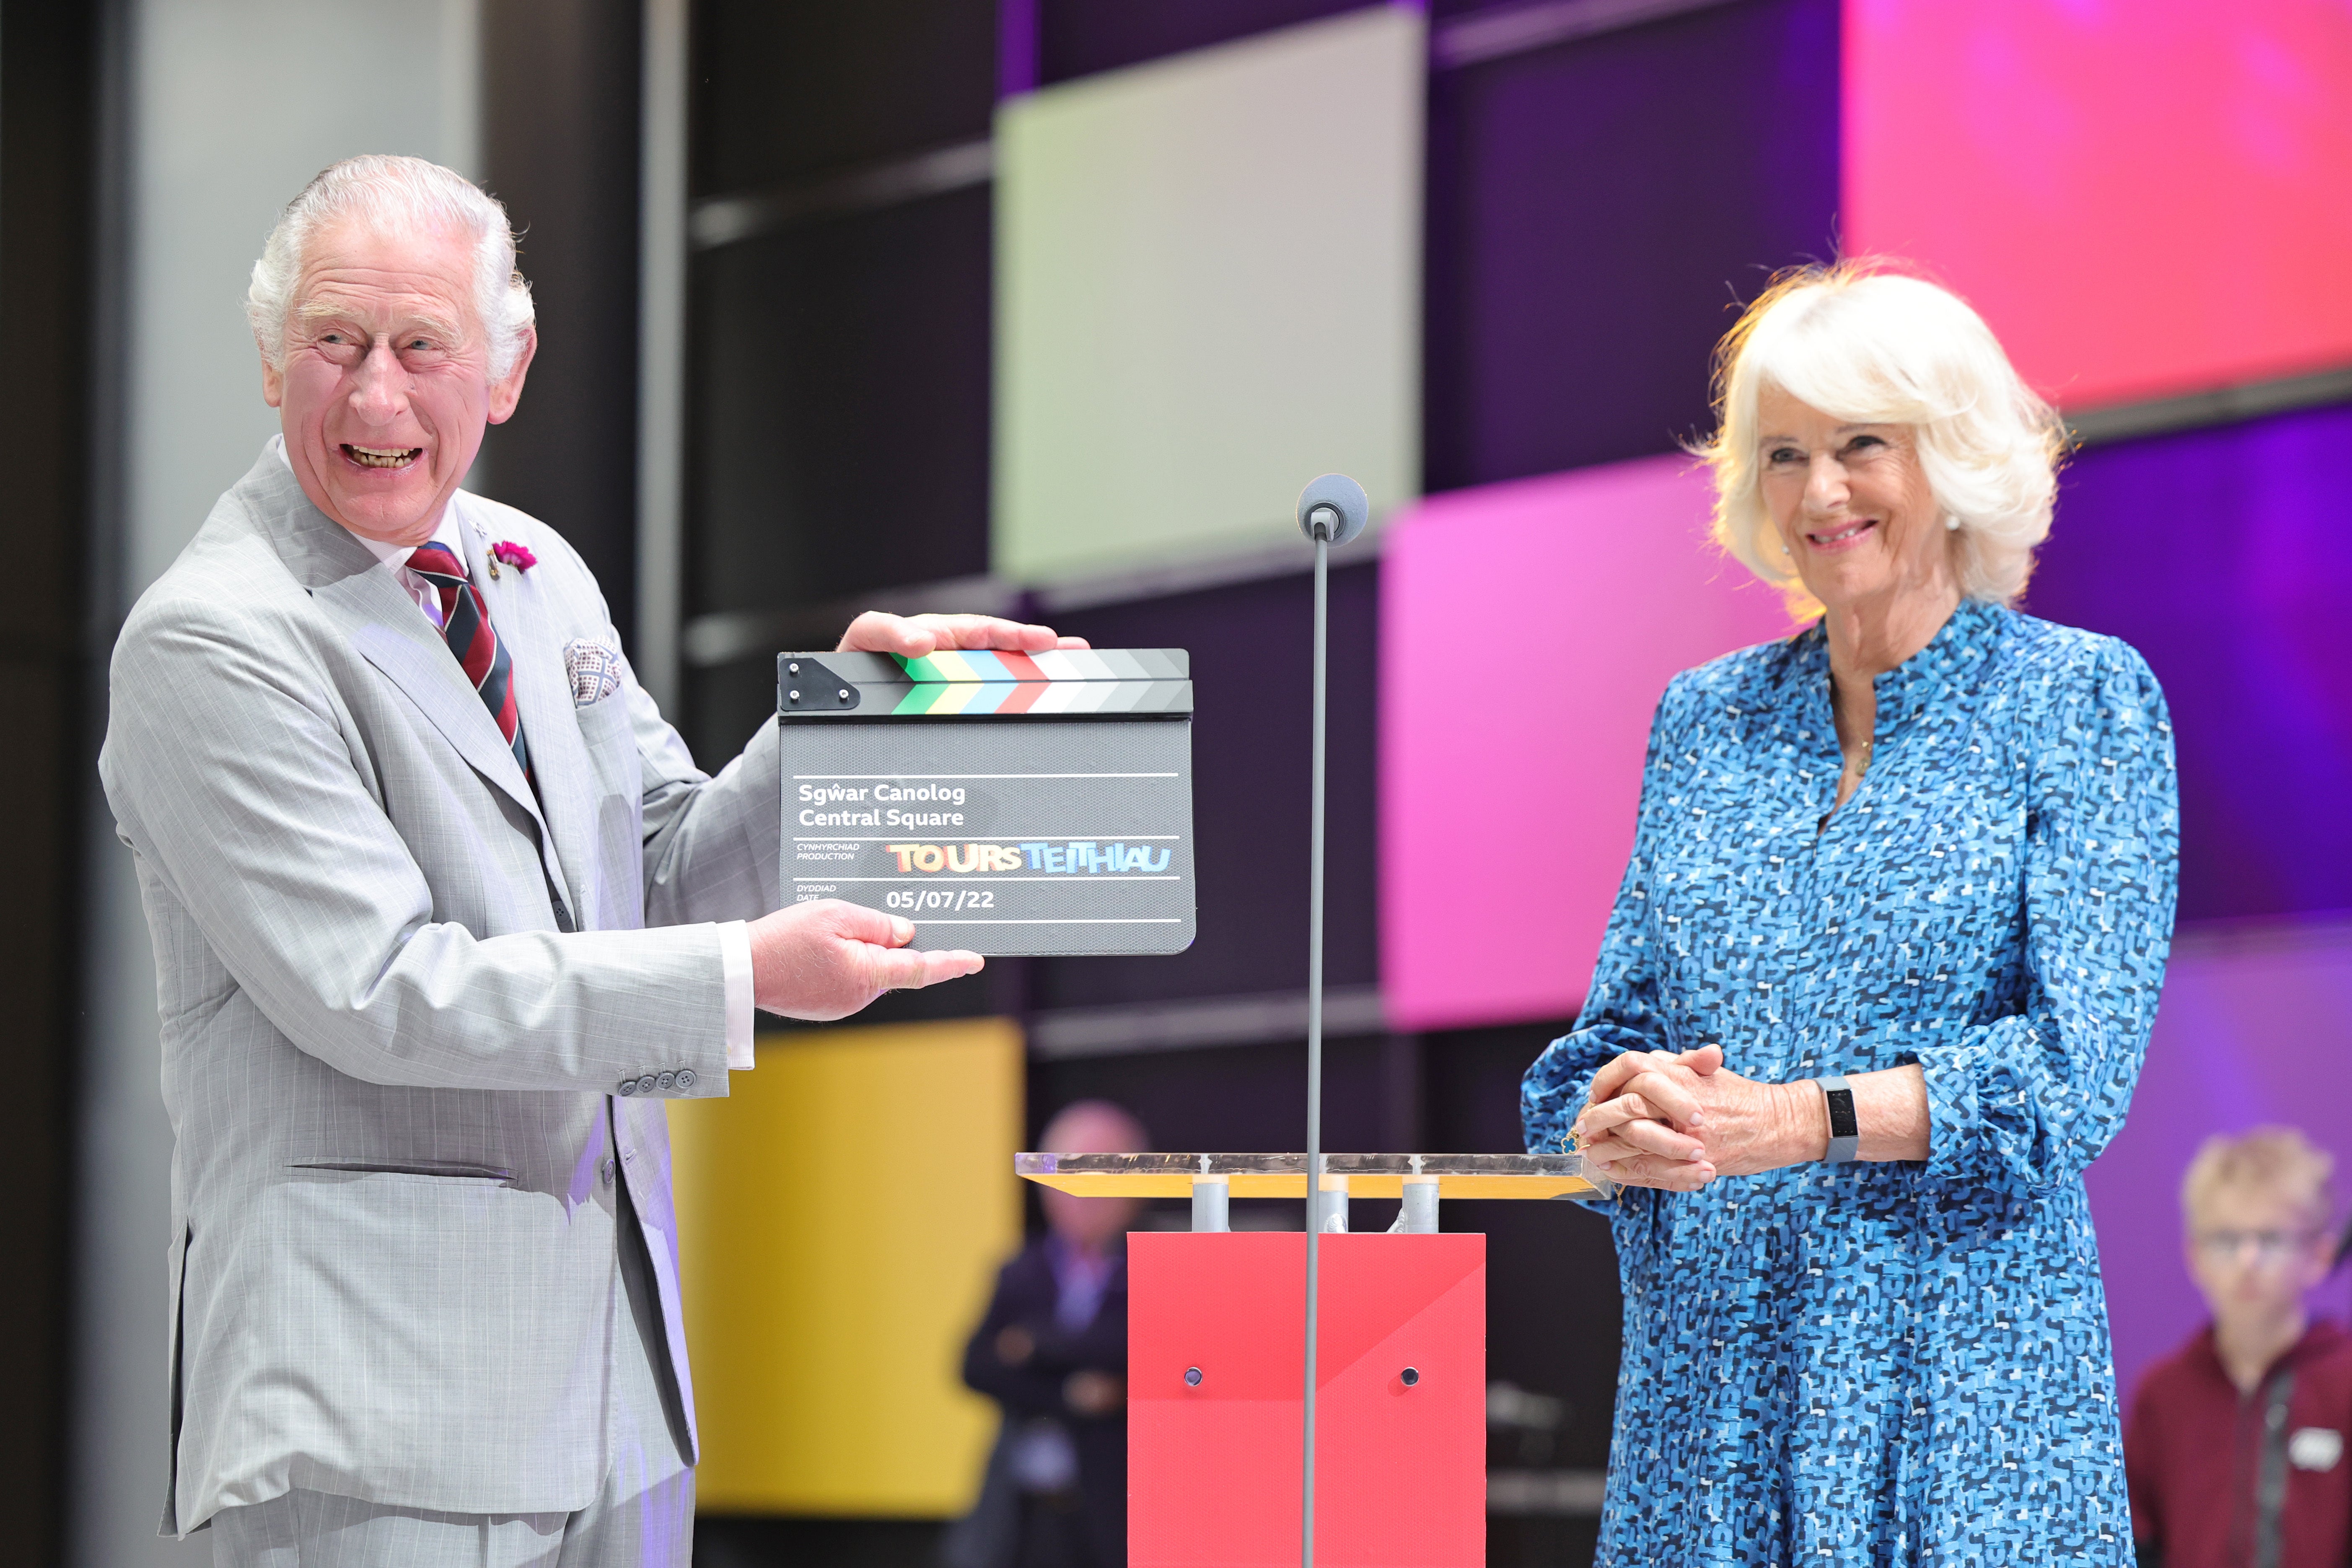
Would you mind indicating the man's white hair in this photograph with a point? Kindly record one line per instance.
(395, 194)
(1868, 346)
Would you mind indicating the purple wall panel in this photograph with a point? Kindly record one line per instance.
(2256, 1026)
(1595, 209)
(2220, 555)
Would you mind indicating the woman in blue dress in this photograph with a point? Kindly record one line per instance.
(1876, 987)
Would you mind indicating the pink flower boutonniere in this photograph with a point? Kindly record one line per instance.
(517, 556)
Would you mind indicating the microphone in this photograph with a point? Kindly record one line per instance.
(1333, 509)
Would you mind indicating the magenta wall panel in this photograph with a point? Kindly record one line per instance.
(1526, 632)
(2256, 1026)
(2142, 198)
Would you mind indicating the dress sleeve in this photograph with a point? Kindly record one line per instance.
(2031, 1099)
(1621, 1009)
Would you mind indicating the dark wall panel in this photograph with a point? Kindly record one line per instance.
(2218, 555)
(1075, 38)
(786, 91)
(1553, 1310)
(1232, 1097)
(1595, 210)
(559, 93)
(838, 420)
(1252, 695)
(50, 76)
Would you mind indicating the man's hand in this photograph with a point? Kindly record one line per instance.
(827, 959)
(912, 636)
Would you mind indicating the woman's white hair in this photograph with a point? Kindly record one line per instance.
(1870, 346)
(395, 194)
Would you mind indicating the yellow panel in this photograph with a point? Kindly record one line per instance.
(840, 1219)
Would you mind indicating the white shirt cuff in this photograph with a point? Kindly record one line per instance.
(735, 964)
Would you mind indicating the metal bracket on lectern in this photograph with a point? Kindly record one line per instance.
(1417, 1215)
(1213, 1201)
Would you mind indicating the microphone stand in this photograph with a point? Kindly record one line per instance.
(1322, 521)
(1332, 510)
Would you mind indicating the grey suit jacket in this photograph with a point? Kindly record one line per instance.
(398, 988)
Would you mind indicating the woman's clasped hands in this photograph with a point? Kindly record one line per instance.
(1677, 1120)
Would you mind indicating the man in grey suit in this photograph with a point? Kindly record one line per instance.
(443, 912)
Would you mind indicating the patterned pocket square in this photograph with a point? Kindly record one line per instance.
(595, 671)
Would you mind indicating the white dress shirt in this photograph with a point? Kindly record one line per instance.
(734, 937)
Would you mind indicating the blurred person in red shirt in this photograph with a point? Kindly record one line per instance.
(2235, 1449)
(1053, 1352)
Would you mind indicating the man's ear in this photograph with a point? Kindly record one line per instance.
(507, 392)
(273, 380)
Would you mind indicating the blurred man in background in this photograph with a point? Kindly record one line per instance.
(1053, 1352)
(2235, 1449)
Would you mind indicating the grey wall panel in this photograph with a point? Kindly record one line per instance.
(229, 107)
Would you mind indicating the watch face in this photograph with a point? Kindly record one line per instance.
(1842, 1123)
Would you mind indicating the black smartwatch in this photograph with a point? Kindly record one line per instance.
(1845, 1135)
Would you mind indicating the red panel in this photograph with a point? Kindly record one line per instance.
(2141, 198)
(1213, 1469)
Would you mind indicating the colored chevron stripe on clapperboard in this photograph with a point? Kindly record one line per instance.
(1071, 680)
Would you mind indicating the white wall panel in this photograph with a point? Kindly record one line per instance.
(1208, 292)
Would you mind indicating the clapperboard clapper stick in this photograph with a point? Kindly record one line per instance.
(1006, 803)
(1332, 510)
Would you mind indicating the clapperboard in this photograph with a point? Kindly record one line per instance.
(1035, 803)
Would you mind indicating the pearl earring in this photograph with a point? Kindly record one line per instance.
(1951, 523)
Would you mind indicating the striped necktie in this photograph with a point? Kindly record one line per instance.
(466, 626)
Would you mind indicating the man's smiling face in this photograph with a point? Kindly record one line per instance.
(385, 389)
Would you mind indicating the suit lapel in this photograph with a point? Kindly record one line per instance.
(542, 692)
(360, 595)
(391, 634)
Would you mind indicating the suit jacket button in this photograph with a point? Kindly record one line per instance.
(646, 1084)
(685, 1077)
(628, 1086)
(608, 1171)
(666, 1081)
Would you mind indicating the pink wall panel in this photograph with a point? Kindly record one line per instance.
(1526, 632)
(2142, 196)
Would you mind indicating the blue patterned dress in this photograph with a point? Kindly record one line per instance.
(1887, 1362)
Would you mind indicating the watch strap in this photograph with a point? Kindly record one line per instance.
(1845, 1136)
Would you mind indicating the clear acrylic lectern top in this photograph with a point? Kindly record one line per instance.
(1284, 1176)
